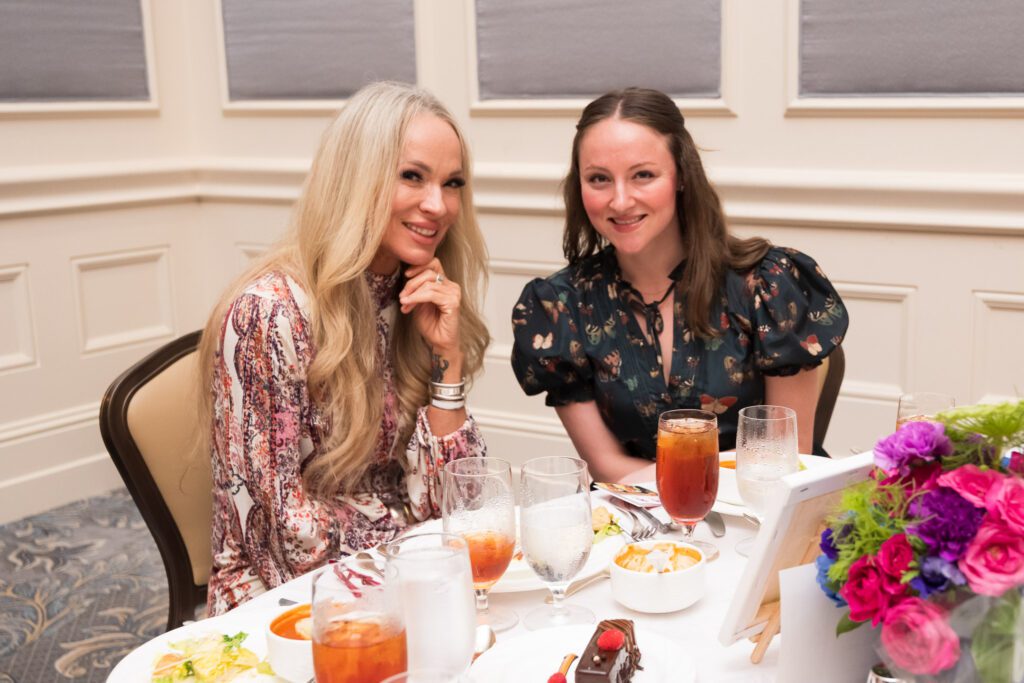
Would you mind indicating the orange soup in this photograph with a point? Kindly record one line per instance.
(296, 623)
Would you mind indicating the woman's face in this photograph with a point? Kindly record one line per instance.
(427, 194)
(629, 181)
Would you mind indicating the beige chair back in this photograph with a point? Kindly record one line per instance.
(149, 421)
(162, 419)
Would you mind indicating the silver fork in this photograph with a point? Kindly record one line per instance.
(640, 532)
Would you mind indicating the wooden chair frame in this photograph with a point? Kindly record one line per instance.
(829, 394)
(185, 595)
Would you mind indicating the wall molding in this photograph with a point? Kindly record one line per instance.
(959, 203)
(47, 423)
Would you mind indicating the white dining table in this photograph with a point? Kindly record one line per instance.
(694, 629)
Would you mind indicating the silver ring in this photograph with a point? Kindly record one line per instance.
(439, 279)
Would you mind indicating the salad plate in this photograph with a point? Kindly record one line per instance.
(139, 664)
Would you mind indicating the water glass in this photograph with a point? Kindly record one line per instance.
(687, 469)
(477, 503)
(557, 535)
(766, 451)
(922, 405)
(437, 599)
(358, 629)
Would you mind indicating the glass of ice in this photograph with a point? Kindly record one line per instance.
(556, 533)
(766, 451)
(436, 586)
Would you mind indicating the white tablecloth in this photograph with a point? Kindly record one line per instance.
(695, 629)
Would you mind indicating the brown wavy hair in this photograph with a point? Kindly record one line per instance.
(710, 249)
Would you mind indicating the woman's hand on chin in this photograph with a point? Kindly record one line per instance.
(433, 301)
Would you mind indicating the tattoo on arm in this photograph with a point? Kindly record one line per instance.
(438, 367)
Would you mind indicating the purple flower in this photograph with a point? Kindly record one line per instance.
(828, 546)
(823, 563)
(913, 442)
(936, 576)
(949, 524)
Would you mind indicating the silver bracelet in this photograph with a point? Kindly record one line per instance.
(452, 392)
(445, 404)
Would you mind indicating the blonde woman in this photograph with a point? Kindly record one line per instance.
(337, 363)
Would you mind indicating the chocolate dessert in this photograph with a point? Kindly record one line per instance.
(611, 655)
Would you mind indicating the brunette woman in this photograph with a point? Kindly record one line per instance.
(660, 307)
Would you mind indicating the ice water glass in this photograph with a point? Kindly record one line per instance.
(435, 582)
(557, 534)
(766, 451)
(358, 628)
(687, 469)
(922, 405)
(477, 502)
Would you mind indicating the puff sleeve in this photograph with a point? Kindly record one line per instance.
(797, 315)
(548, 353)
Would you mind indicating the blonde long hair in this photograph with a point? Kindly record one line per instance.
(336, 227)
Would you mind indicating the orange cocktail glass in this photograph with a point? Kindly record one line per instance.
(490, 553)
(687, 468)
(358, 631)
(478, 504)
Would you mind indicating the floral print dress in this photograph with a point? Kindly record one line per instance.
(578, 339)
(266, 430)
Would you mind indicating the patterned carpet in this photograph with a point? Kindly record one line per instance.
(80, 587)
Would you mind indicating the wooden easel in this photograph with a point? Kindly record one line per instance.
(772, 610)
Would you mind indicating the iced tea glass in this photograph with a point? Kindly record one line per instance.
(687, 469)
(358, 631)
(922, 405)
(477, 503)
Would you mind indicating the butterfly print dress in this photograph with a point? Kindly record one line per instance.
(577, 339)
(266, 528)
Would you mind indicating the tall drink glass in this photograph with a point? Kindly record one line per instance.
(555, 520)
(437, 599)
(922, 405)
(766, 451)
(358, 631)
(478, 504)
(687, 469)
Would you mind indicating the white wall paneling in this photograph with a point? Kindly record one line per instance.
(914, 207)
(996, 360)
(123, 299)
(17, 339)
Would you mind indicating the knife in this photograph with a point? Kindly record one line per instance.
(715, 523)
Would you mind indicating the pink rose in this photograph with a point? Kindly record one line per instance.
(994, 561)
(865, 592)
(974, 484)
(895, 556)
(918, 638)
(1017, 460)
(1009, 503)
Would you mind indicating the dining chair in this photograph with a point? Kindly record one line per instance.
(149, 421)
(830, 378)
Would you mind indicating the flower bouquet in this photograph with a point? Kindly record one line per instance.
(931, 548)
